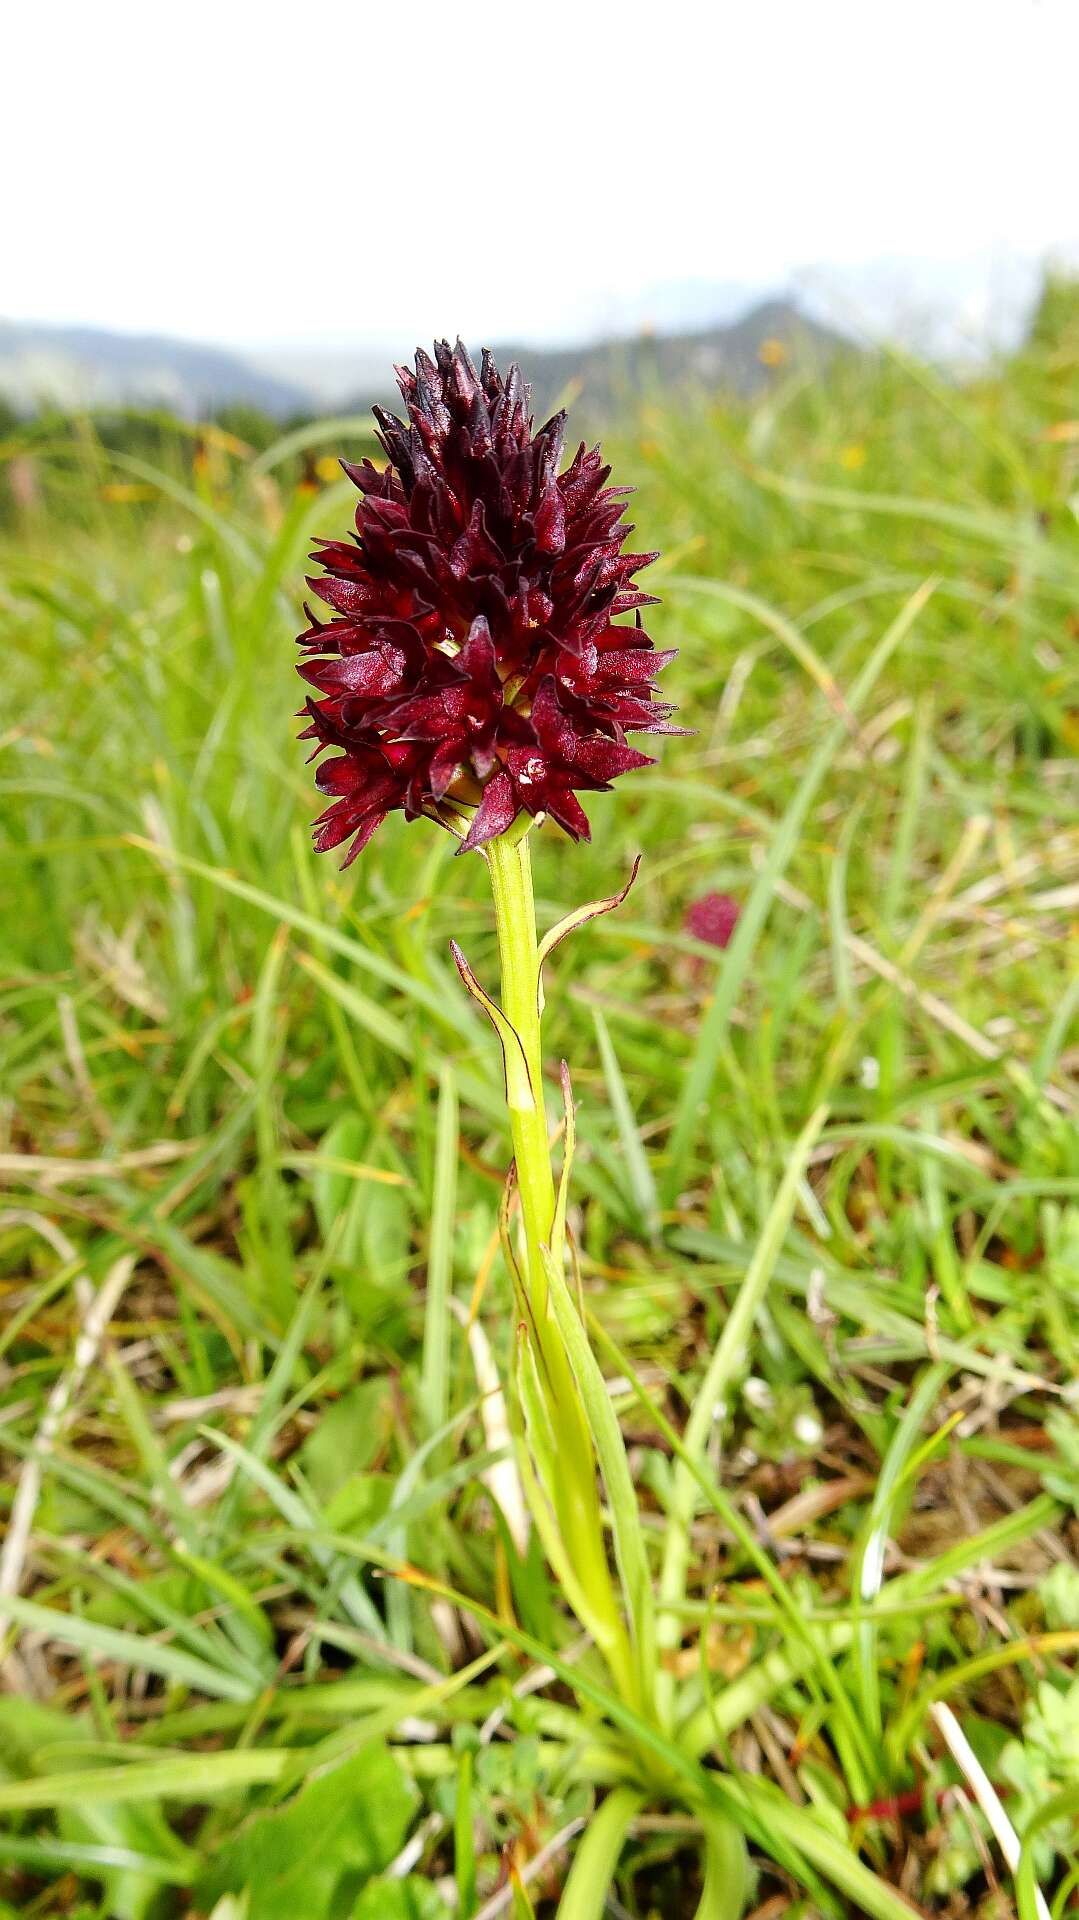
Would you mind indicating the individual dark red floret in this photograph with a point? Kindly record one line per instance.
(471, 669)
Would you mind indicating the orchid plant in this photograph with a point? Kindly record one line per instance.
(477, 671)
(474, 674)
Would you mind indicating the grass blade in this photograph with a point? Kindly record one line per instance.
(736, 960)
(642, 1185)
(584, 1896)
(434, 1369)
(130, 1649)
(727, 1362)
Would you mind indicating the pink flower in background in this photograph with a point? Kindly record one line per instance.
(713, 918)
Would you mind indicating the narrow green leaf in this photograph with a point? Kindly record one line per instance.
(323, 433)
(868, 1570)
(521, 1095)
(584, 1896)
(805, 1830)
(464, 1840)
(48, 1855)
(625, 1511)
(728, 1361)
(642, 1185)
(726, 1870)
(130, 1649)
(434, 1370)
(195, 1777)
(736, 960)
(580, 917)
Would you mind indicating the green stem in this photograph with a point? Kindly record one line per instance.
(510, 868)
(564, 1453)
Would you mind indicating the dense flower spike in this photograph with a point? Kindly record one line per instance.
(473, 669)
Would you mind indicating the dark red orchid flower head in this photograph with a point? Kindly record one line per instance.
(473, 669)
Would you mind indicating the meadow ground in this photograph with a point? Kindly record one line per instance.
(232, 1081)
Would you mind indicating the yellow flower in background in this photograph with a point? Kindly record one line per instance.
(223, 441)
(773, 352)
(124, 490)
(853, 457)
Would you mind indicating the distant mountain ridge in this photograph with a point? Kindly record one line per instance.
(93, 368)
(738, 357)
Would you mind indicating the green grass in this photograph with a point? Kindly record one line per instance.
(243, 1075)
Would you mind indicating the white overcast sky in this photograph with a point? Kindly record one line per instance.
(377, 171)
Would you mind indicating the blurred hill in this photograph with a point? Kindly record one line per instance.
(75, 367)
(737, 358)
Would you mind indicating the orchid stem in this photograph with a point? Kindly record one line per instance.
(563, 1454)
(510, 866)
